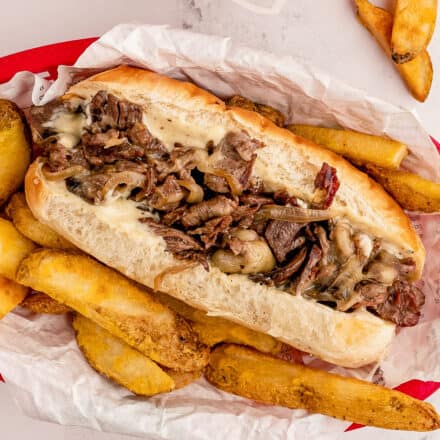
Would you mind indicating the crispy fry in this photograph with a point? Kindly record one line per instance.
(414, 23)
(15, 153)
(411, 191)
(119, 362)
(13, 248)
(417, 73)
(267, 111)
(39, 302)
(260, 377)
(117, 304)
(23, 219)
(213, 330)
(360, 147)
(11, 295)
(183, 378)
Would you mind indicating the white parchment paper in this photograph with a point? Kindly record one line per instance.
(38, 355)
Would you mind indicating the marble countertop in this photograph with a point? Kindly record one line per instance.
(323, 33)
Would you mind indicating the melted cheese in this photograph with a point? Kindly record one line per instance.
(170, 130)
(68, 126)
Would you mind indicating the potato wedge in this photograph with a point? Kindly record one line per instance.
(360, 147)
(260, 377)
(117, 304)
(117, 361)
(417, 73)
(213, 330)
(13, 248)
(414, 23)
(15, 152)
(23, 219)
(183, 378)
(411, 191)
(38, 302)
(11, 295)
(267, 111)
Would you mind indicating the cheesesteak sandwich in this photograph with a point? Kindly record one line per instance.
(218, 207)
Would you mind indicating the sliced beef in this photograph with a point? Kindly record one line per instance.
(108, 138)
(326, 186)
(174, 216)
(218, 206)
(167, 196)
(281, 274)
(310, 271)
(60, 158)
(282, 237)
(98, 156)
(110, 112)
(181, 245)
(255, 200)
(216, 183)
(38, 116)
(211, 231)
(402, 305)
(282, 197)
(234, 157)
(139, 135)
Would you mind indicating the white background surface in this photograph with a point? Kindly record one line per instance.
(323, 33)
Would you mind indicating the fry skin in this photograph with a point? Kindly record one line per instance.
(411, 191)
(267, 111)
(417, 73)
(39, 302)
(260, 377)
(13, 248)
(116, 304)
(11, 295)
(213, 330)
(23, 219)
(117, 361)
(15, 152)
(414, 23)
(360, 147)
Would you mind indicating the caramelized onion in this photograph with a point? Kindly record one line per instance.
(63, 174)
(130, 179)
(158, 279)
(292, 214)
(195, 191)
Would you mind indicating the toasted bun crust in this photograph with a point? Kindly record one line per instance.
(113, 235)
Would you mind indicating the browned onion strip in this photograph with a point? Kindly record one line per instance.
(232, 181)
(158, 279)
(195, 191)
(63, 174)
(129, 178)
(292, 214)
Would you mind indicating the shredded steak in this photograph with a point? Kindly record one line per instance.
(281, 236)
(326, 184)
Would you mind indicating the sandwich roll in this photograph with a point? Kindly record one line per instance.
(218, 207)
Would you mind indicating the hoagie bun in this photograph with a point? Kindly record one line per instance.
(179, 115)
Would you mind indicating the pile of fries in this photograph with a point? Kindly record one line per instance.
(404, 37)
(151, 343)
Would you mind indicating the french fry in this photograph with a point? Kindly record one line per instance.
(23, 219)
(11, 295)
(213, 330)
(411, 191)
(359, 147)
(116, 304)
(260, 377)
(414, 23)
(267, 111)
(417, 73)
(39, 302)
(119, 362)
(15, 153)
(13, 248)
